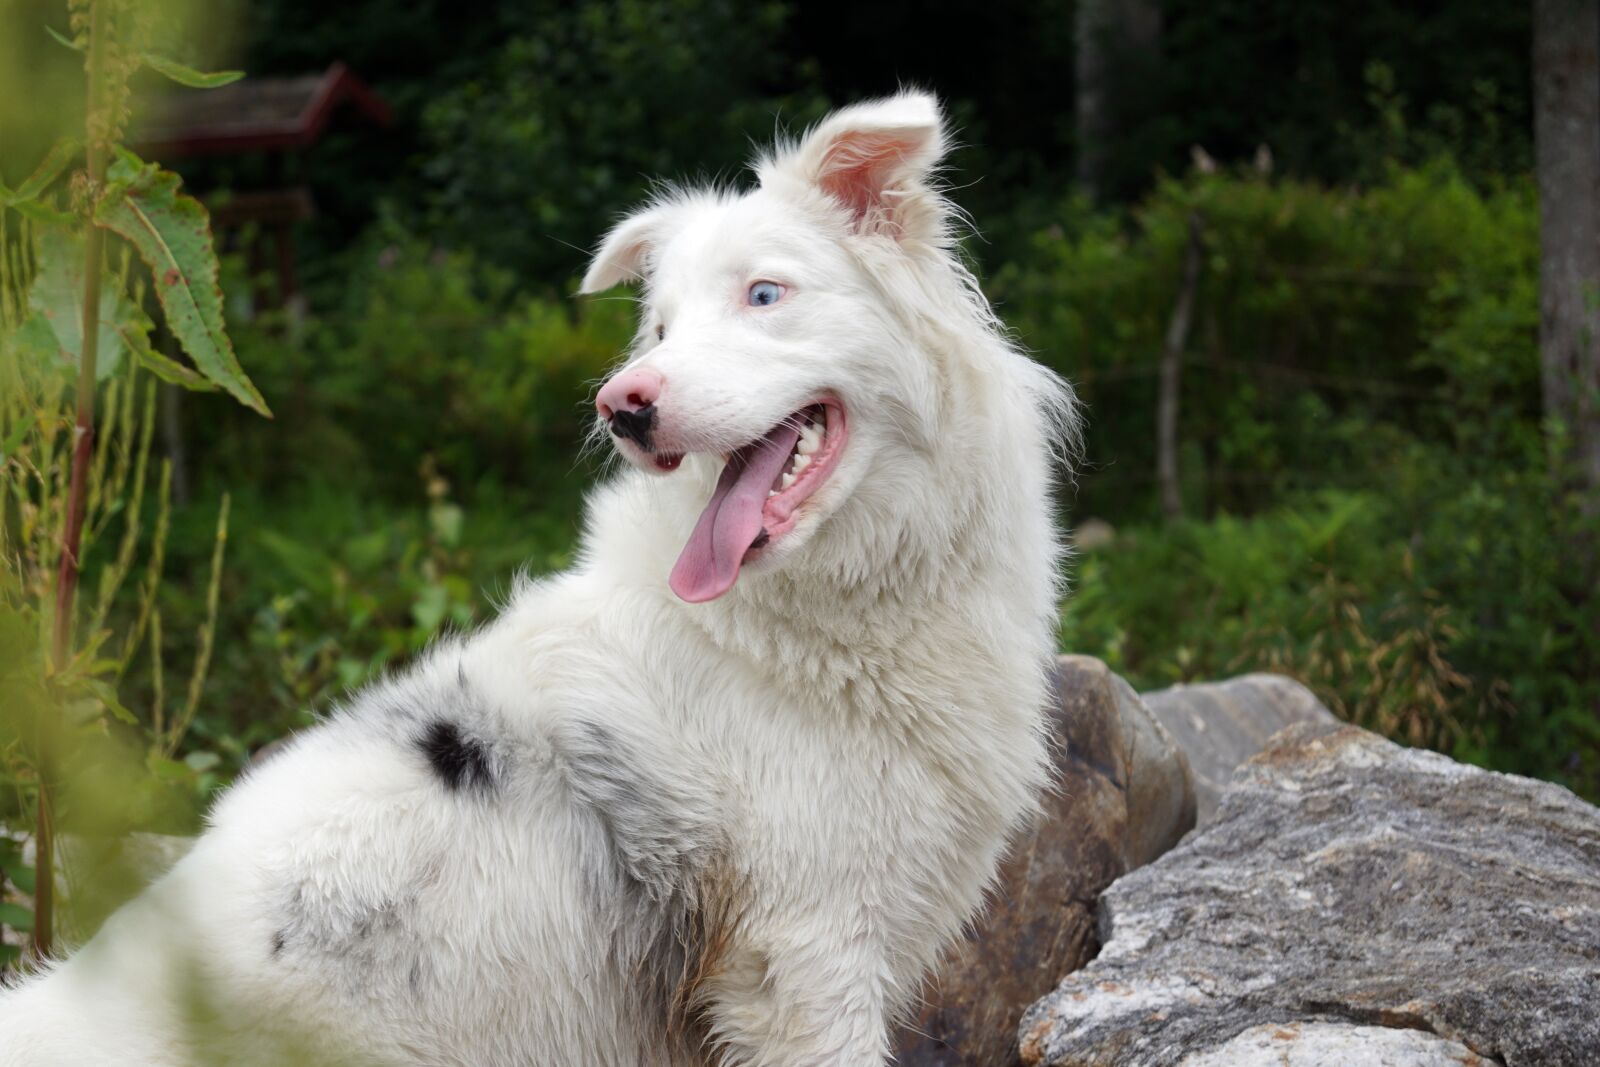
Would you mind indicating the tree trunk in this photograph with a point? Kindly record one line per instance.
(1566, 73)
(1108, 33)
(1172, 376)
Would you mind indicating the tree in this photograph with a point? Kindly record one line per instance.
(1566, 61)
(1116, 40)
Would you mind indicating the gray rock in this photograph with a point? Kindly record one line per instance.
(1124, 798)
(1346, 885)
(1219, 725)
(1335, 1045)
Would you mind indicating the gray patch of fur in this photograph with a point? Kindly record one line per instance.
(656, 829)
(659, 849)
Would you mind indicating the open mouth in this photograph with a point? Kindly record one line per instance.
(757, 499)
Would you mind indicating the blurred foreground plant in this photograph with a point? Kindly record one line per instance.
(74, 278)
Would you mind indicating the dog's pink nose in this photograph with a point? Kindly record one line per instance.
(632, 391)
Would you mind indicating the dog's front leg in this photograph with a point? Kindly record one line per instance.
(799, 1000)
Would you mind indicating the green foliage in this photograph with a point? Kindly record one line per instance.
(429, 353)
(53, 334)
(562, 127)
(1435, 614)
(73, 756)
(172, 234)
(113, 768)
(1331, 326)
(1360, 421)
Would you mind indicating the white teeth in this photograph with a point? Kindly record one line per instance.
(785, 482)
(810, 439)
(801, 463)
(772, 492)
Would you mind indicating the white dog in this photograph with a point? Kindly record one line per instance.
(722, 792)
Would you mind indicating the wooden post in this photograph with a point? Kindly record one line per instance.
(1172, 375)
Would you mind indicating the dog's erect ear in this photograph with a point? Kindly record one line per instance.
(623, 255)
(876, 159)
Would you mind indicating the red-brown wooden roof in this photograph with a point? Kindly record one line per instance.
(259, 114)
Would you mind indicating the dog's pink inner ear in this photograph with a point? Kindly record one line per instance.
(860, 169)
(870, 171)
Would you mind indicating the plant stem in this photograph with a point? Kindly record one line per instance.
(82, 451)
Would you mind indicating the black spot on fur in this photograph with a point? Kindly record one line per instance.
(635, 425)
(460, 762)
(279, 939)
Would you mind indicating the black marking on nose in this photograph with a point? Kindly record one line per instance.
(458, 760)
(635, 426)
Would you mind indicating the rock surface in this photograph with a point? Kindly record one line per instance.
(1336, 1045)
(1124, 798)
(1349, 893)
(1219, 725)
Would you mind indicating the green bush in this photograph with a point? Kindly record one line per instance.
(1332, 326)
(1435, 612)
(1360, 422)
(429, 354)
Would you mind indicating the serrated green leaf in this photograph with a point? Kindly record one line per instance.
(183, 75)
(172, 234)
(56, 299)
(63, 39)
(48, 170)
(163, 367)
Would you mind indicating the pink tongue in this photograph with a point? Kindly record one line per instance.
(709, 563)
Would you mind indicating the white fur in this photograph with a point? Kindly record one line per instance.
(742, 829)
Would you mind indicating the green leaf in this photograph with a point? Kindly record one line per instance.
(63, 39)
(17, 917)
(107, 696)
(172, 234)
(55, 161)
(57, 303)
(18, 872)
(183, 75)
(162, 366)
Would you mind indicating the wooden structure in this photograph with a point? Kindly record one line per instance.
(280, 117)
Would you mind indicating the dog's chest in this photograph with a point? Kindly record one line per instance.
(911, 806)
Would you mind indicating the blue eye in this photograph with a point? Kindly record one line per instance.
(764, 293)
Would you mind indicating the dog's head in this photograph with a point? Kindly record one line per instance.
(784, 332)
